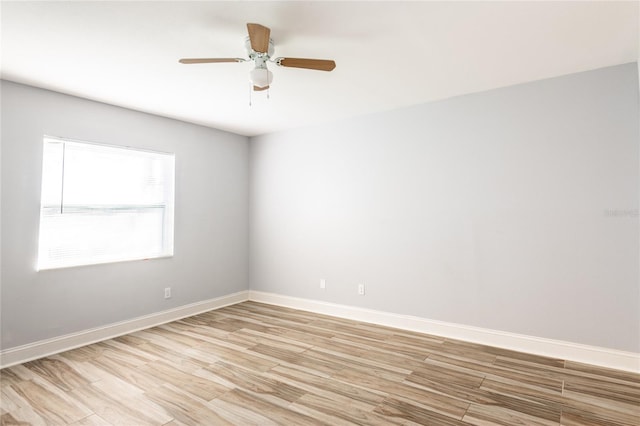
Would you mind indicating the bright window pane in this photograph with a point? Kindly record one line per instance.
(104, 204)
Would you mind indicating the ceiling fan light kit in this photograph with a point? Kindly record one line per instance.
(261, 77)
(260, 49)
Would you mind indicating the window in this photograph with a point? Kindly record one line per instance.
(104, 204)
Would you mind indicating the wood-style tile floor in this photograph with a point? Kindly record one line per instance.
(259, 364)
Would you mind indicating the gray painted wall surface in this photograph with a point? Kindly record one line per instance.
(514, 210)
(211, 216)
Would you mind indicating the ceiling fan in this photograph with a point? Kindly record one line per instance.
(259, 48)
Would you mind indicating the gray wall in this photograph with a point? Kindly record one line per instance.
(211, 216)
(514, 210)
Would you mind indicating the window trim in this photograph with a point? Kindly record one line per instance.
(168, 226)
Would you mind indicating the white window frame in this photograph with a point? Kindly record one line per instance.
(47, 261)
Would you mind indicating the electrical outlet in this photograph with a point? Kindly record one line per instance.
(167, 292)
(361, 289)
(323, 284)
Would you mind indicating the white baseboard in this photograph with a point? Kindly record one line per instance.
(610, 358)
(55, 345)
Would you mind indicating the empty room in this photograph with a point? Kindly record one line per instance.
(319, 213)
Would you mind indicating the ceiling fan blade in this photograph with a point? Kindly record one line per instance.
(259, 37)
(311, 64)
(260, 89)
(209, 60)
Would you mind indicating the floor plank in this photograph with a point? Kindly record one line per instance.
(258, 364)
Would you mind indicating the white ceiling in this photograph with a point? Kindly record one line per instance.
(388, 54)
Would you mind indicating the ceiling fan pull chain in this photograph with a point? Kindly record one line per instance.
(250, 93)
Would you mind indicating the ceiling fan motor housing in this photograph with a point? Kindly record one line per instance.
(252, 54)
